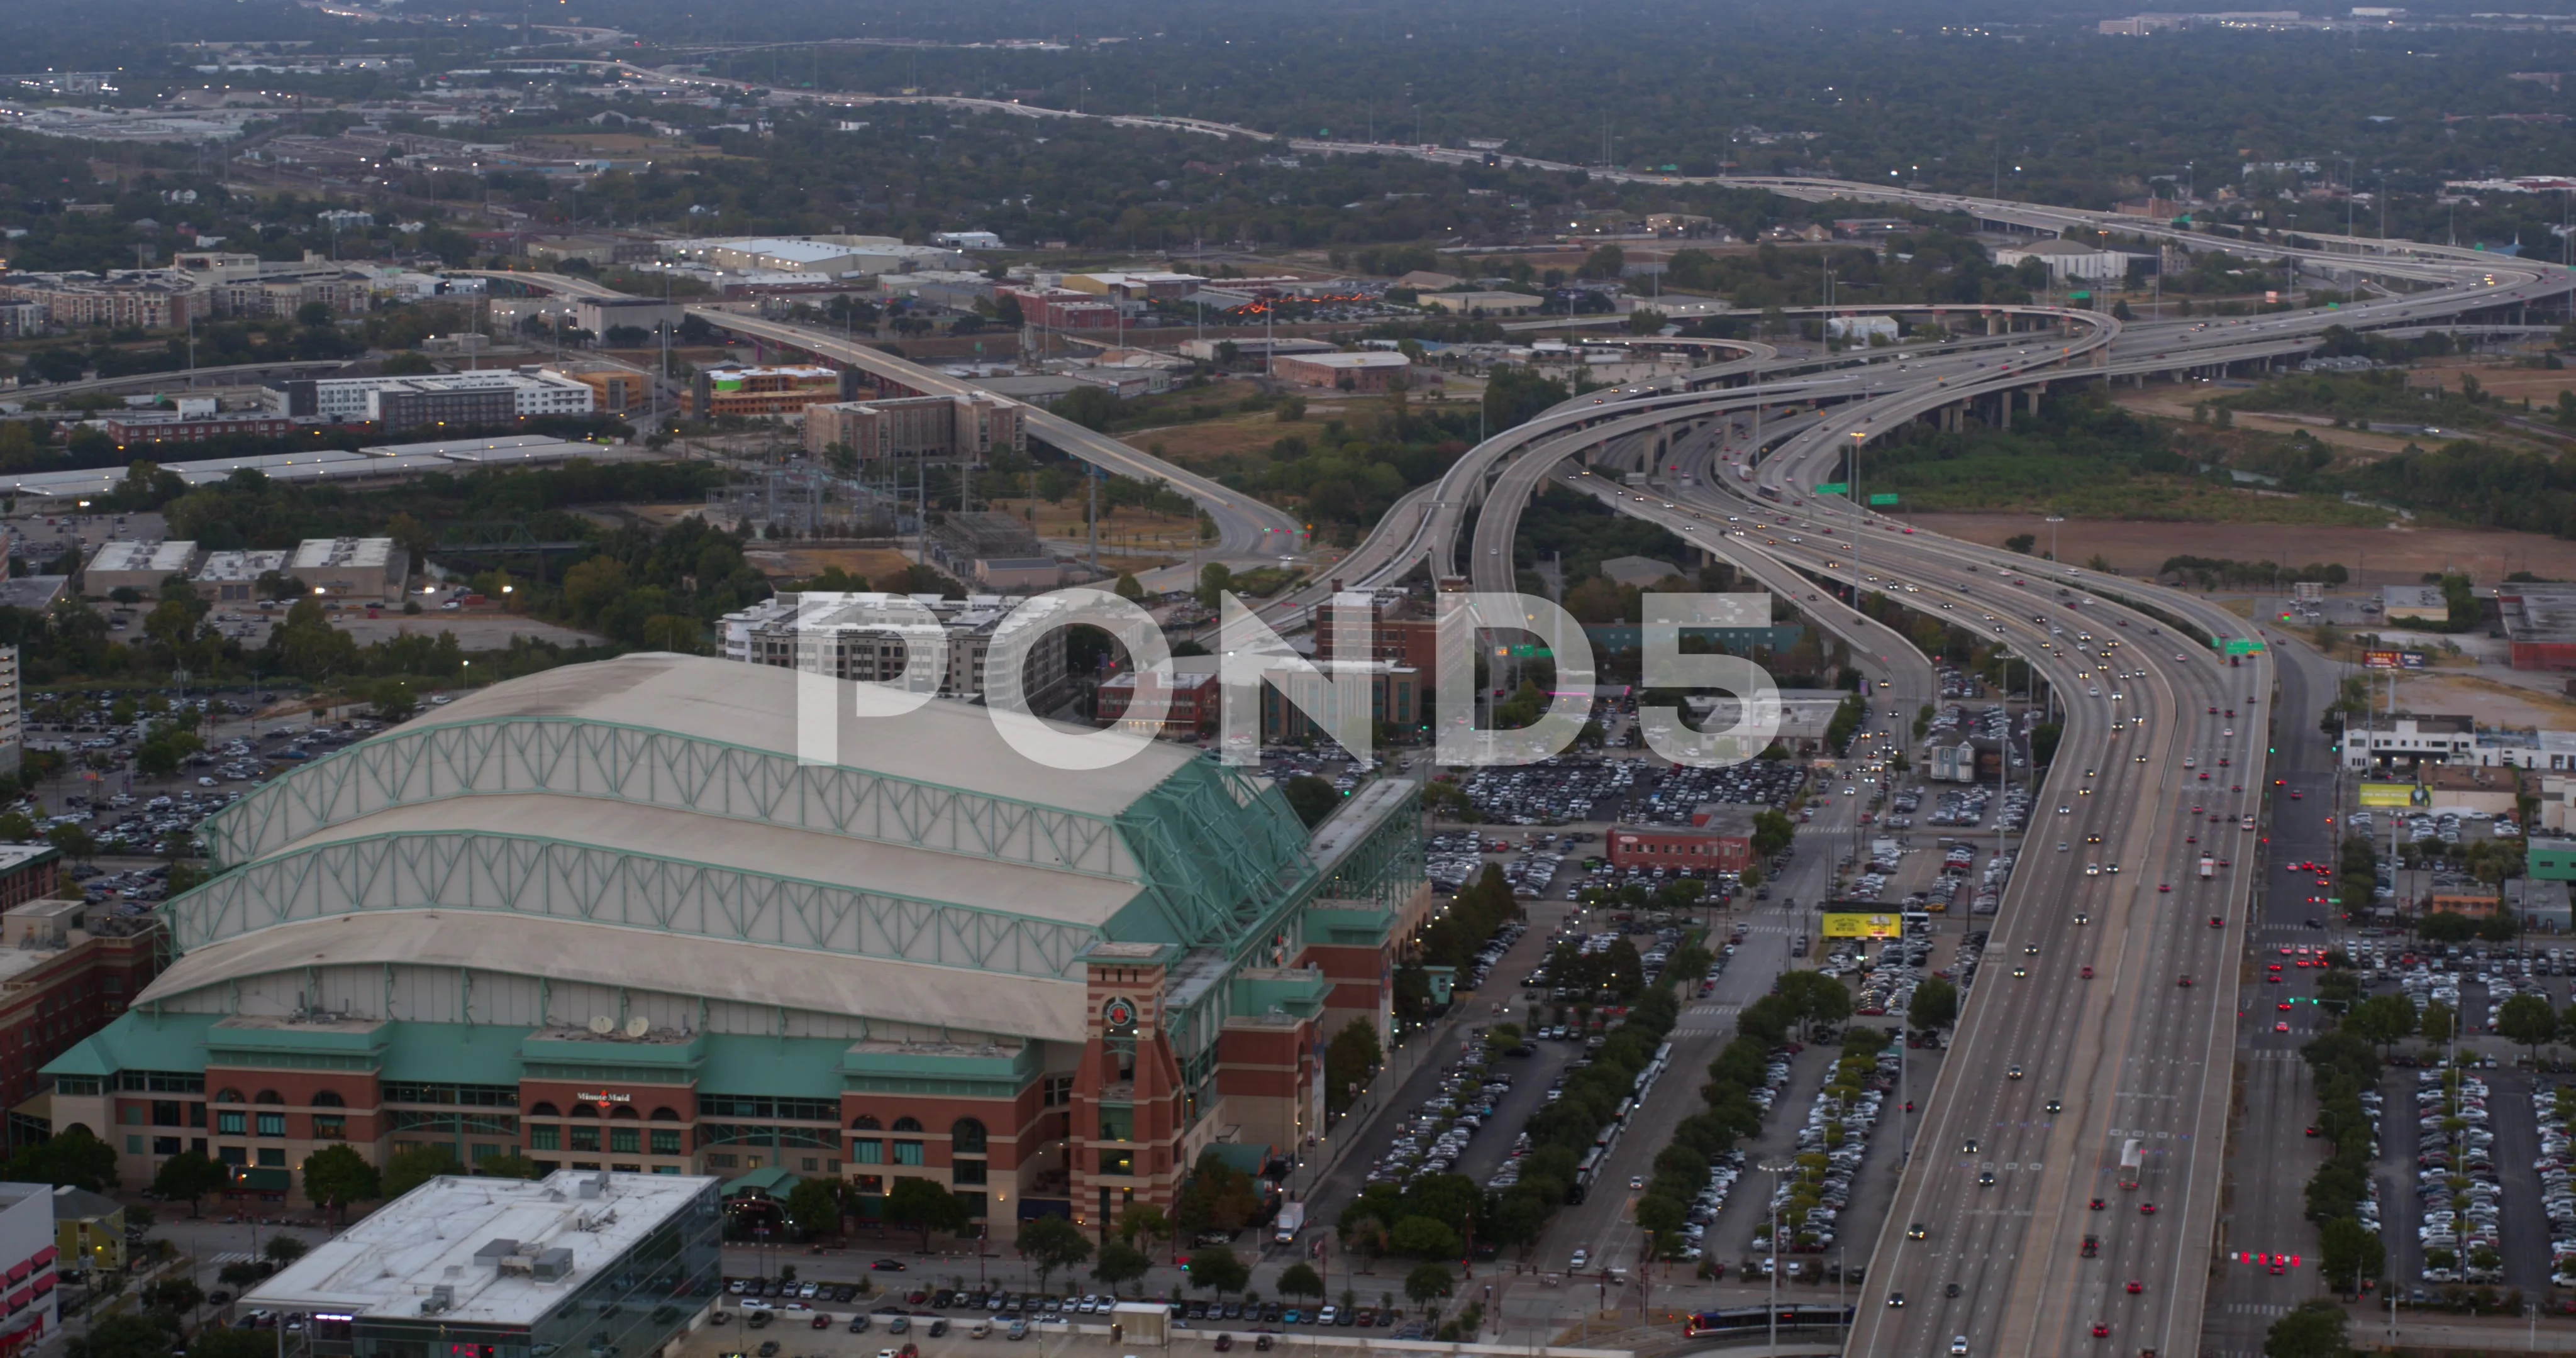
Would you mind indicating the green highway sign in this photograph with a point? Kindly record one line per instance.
(2244, 646)
(1882, 499)
(2079, 297)
(1833, 488)
(1527, 650)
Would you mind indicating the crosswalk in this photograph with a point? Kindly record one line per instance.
(231, 1257)
(2254, 1308)
(1705, 1019)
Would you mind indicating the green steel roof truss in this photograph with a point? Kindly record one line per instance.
(519, 874)
(584, 758)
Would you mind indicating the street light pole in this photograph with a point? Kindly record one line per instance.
(1775, 1168)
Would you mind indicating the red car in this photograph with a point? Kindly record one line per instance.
(2185, 982)
(2086, 973)
(2136, 1287)
(2101, 1331)
(2146, 1209)
(2217, 921)
(2164, 887)
(2096, 1204)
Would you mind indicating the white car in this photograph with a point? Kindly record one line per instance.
(1581, 1257)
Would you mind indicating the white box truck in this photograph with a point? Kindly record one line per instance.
(1292, 1219)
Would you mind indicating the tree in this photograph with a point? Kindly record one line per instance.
(1935, 1005)
(1217, 1269)
(1217, 1197)
(410, 1168)
(1051, 1243)
(814, 1205)
(187, 1177)
(72, 1158)
(2529, 1020)
(1428, 1283)
(2350, 1252)
(336, 1176)
(175, 1294)
(282, 1250)
(2381, 1020)
(128, 1336)
(1424, 1238)
(215, 1343)
(407, 363)
(1350, 1060)
(1146, 1220)
(1300, 1280)
(2437, 1022)
(1127, 587)
(1312, 798)
(924, 1206)
(75, 841)
(2320, 1328)
(394, 701)
(1120, 1262)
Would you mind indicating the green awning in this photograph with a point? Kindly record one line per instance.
(772, 1182)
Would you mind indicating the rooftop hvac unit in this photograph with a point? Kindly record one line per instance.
(496, 1250)
(441, 1297)
(553, 1265)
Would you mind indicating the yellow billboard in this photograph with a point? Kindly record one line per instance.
(1864, 926)
(2388, 794)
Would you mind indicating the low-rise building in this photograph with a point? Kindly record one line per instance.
(784, 390)
(867, 637)
(615, 388)
(1399, 700)
(128, 563)
(2407, 739)
(1718, 839)
(969, 428)
(1482, 303)
(144, 428)
(1397, 633)
(1063, 308)
(2401, 602)
(520, 392)
(2490, 790)
(370, 569)
(1191, 694)
(2066, 259)
(581, 1261)
(2540, 625)
(2541, 906)
(233, 577)
(1366, 371)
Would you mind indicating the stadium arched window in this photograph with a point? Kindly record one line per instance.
(626, 1111)
(268, 1096)
(228, 1096)
(866, 1122)
(328, 1099)
(544, 1110)
(665, 1115)
(907, 1124)
(967, 1137)
(585, 1110)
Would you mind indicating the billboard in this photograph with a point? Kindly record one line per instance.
(1864, 926)
(2388, 794)
(2395, 660)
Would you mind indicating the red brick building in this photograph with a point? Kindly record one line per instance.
(1718, 839)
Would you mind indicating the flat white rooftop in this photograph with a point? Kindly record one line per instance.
(488, 1241)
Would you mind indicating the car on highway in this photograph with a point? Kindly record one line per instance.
(2054, 1106)
(2092, 1247)
(1916, 1231)
(2012, 1072)
(2146, 1209)
(2136, 1287)
(2085, 972)
(1958, 1346)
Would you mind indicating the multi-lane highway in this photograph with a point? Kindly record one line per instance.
(2122, 1024)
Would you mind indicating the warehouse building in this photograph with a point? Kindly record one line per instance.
(2540, 625)
(578, 1262)
(1368, 370)
(367, 569)
(628, 916)
(333, 400)
(126, 563)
